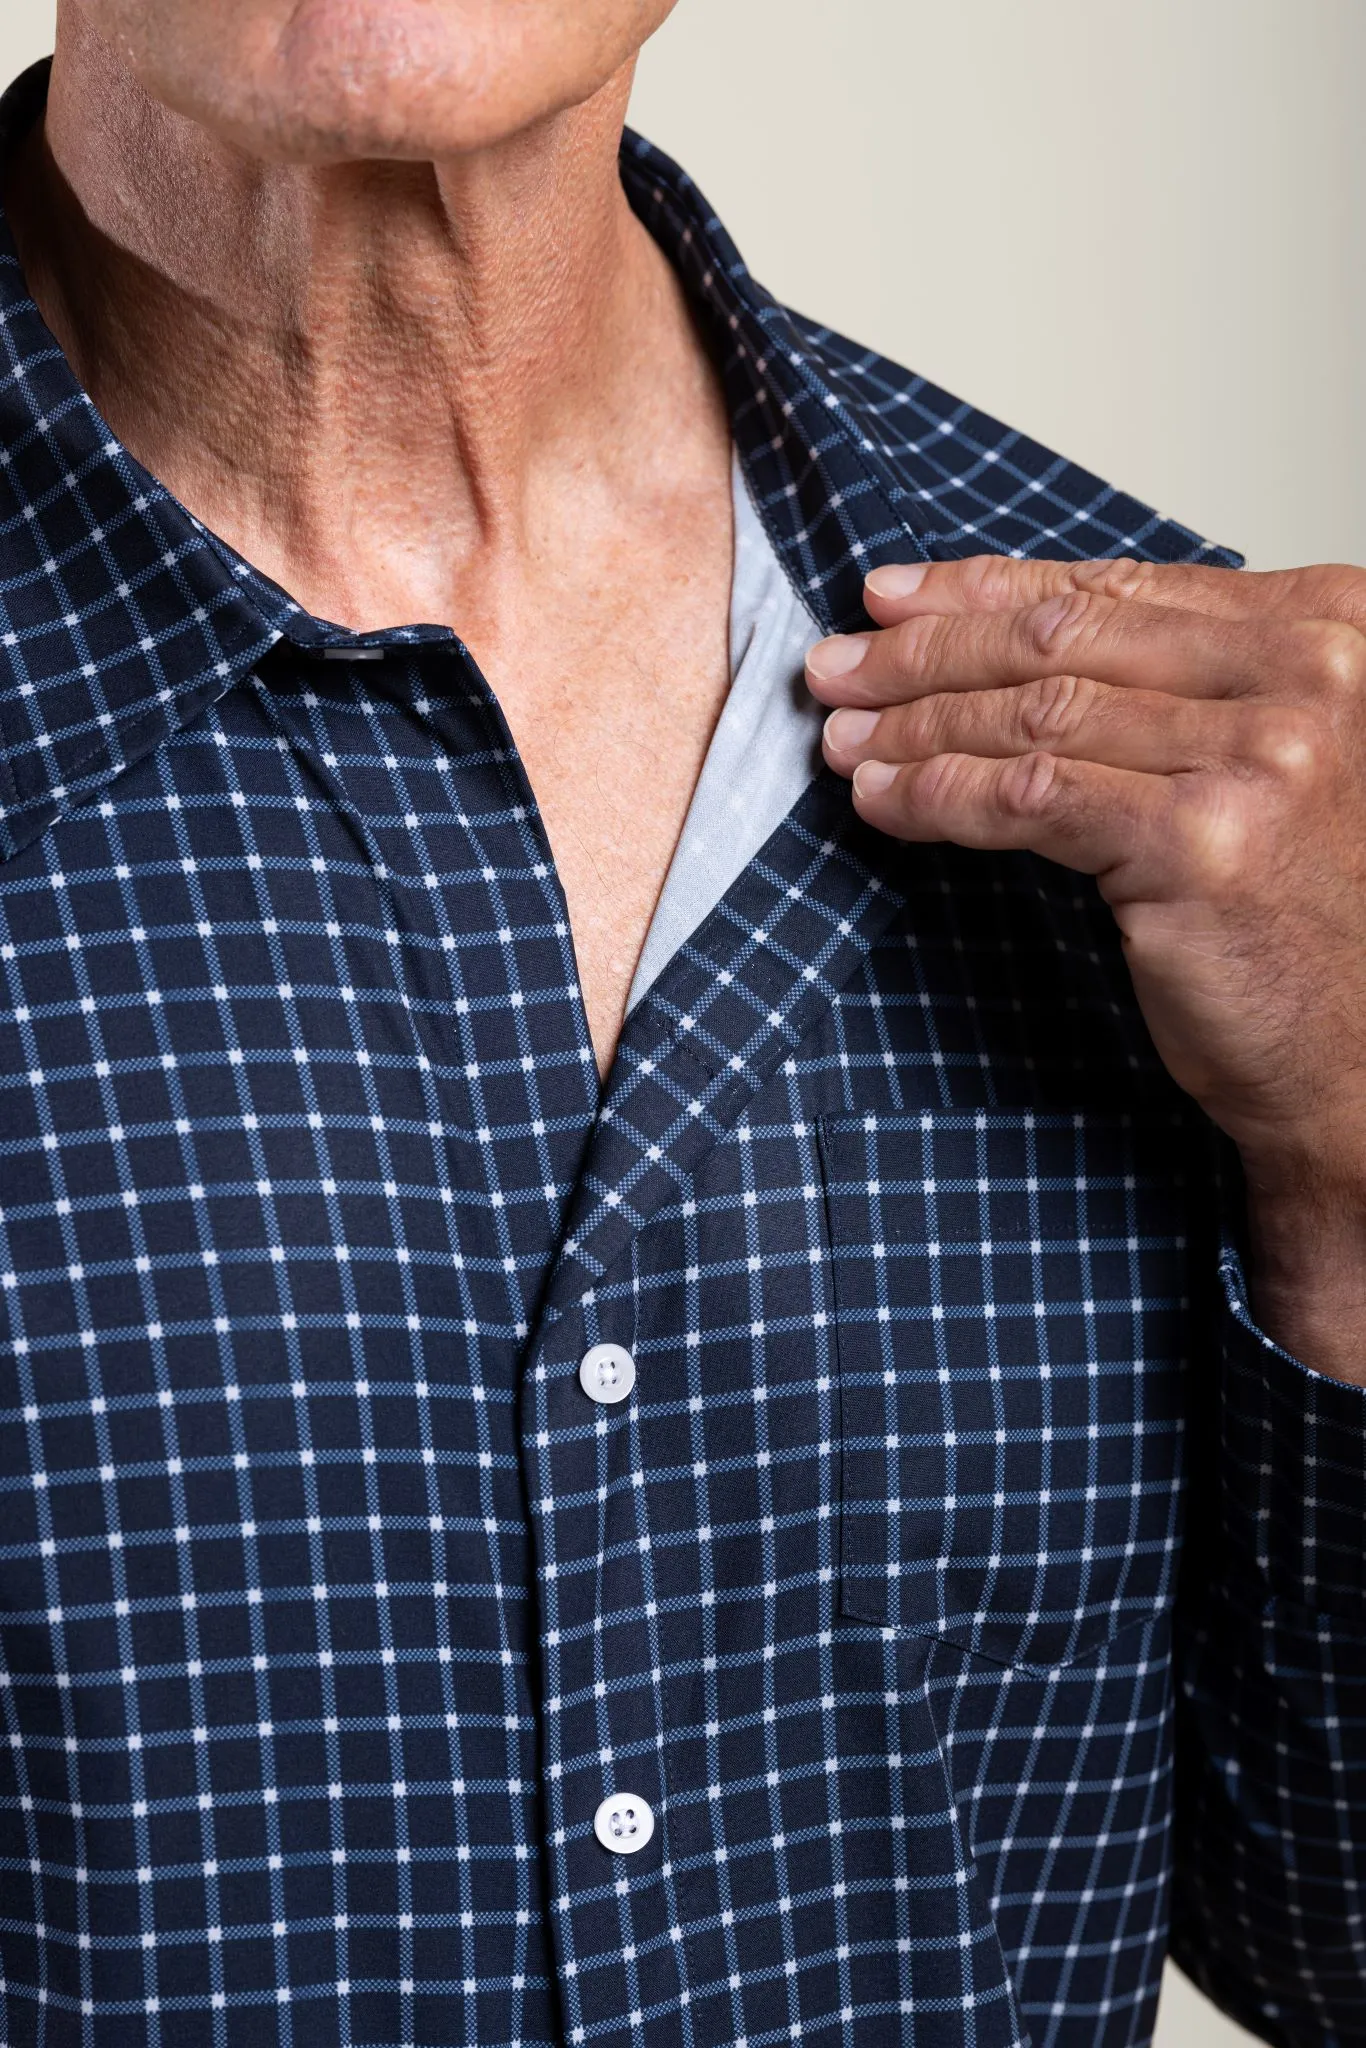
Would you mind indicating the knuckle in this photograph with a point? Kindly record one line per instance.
(921, 727)
(1214, 830)
(932, 784)
(915, 641)
(1121, 578)
(1069, 622)
(991, 580)
(1285, 741)
(1332, 655)
(1055, 708)
(1029, 786)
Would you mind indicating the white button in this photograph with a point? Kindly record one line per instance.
(623, 1823)
(607, 1373)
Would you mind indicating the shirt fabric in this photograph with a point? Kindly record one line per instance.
(332, 1607)
(765, 750)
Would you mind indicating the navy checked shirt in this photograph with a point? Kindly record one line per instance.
(332, 1608)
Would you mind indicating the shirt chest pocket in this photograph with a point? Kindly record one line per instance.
(1008, 1295)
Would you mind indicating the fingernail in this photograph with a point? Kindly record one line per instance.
(872, 777)
(847, 729)
(897, 579)
(838, 656)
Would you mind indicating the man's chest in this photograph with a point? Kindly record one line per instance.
(317, 949)
(611, 715)
(312, 1211)
(299, 1098)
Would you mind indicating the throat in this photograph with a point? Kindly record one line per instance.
(471, 394)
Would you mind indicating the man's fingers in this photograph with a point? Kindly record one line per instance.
(1071, 716)
(1097, 820)
(1128, 645)
(999, 583)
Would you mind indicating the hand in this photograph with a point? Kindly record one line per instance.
(1196, 739)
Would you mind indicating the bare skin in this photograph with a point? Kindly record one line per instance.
(465, 391)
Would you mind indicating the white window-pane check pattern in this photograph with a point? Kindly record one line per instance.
(332, 1611)
(1002, 1487)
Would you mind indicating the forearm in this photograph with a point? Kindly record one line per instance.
(1307, 1274)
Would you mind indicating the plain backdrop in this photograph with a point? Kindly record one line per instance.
(1136, 232)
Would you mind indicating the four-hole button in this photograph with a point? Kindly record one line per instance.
(607, 1373)
(623, 1823)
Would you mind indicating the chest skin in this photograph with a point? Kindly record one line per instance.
(612, 675)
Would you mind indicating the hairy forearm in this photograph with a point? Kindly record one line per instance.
(1307, 1275)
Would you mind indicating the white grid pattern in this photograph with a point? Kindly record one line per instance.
(331, 1606)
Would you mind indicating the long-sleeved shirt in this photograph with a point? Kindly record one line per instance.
(796, 1543)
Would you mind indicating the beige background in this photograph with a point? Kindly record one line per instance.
(1136, 232)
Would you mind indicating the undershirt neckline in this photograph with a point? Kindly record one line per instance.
(764, 752)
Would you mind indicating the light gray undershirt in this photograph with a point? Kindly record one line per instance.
(764, 751)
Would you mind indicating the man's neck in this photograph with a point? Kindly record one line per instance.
(467, 393)
(385, 383)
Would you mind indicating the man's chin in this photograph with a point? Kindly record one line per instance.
(421, 127)
(347, 83)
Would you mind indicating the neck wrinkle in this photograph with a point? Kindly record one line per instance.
(299, 352)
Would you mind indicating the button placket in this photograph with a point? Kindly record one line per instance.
(602, 1723)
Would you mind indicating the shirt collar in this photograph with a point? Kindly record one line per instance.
(122, 618)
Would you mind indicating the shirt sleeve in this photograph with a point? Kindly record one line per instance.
(1269, 1906)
